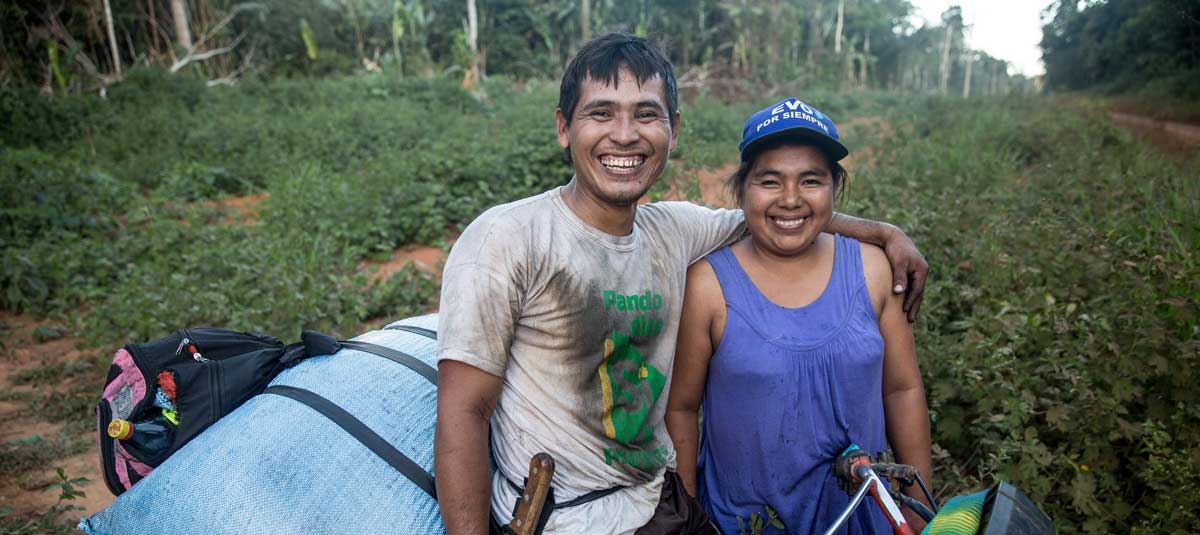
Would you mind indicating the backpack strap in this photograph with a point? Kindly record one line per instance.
(394, 355)
(406, 466)
(428, 333)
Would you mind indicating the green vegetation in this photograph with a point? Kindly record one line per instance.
(1058, 339)
(123, 221)
(1145, 53)
(48, 522)
(21, 455)
(355, 168)
(65, 48)
(757, 524)
(1059, 336)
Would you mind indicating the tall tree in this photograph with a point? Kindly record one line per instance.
(183, 35)
(863, 66)
(112, 38)
(952, 20)
(585, 20)
(1122, 44)
(841, 16)
(471, 80)
(398, 23)
(970, 60)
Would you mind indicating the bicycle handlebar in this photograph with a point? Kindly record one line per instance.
(1000, 509)
(849, 510)
(854, 467)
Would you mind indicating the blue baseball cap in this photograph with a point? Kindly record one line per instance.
(791, 117)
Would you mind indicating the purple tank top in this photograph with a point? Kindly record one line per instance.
(788, 389)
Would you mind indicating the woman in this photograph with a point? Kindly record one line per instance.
(794, 344)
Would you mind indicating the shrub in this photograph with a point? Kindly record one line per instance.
(1058, 337)
(1060, 325)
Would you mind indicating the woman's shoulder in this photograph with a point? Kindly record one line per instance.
(873, 257)
(703, 287)
(876, 270)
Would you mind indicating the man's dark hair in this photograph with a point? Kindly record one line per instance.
(602, 58)
(736, 182)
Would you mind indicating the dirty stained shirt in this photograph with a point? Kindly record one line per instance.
(581, 326)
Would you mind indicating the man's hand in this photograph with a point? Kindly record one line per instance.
(909, 270)
(466, 397)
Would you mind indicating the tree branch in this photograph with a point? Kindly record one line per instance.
(192, 58)
(230, 78)
(221, 24)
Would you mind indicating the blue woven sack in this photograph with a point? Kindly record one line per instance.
(282, 463)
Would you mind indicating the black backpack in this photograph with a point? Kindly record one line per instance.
(191, 378)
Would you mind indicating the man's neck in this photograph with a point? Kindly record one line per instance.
(606, 217)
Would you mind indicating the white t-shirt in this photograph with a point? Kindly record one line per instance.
(581, 326)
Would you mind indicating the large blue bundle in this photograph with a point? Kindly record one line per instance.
(275, 465)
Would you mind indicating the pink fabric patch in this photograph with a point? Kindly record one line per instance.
(141, 468)
(130, 378)
(126, 462)
(120, 467)
(130, 375)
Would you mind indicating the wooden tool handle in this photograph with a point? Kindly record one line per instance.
(533, 499)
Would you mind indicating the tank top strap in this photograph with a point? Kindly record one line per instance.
(735, 283)
(848, 269)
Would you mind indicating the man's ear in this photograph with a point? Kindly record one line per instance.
(677, 122)
(560, 122)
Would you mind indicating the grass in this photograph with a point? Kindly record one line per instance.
(32, 452)
(1174, 97)
(1061, 322)
(50, 521)
(53, 372)
(1058, 338)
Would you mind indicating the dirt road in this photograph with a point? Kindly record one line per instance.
(1176, 138)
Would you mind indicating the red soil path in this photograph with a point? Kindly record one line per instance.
(1177, 139)
(424, 257)
(241, 210)
(24, 492)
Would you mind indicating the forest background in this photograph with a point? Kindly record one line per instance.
(281, 165)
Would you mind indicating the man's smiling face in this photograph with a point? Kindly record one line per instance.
(619, 137)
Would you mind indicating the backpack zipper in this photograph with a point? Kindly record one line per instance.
(187, 344)
(215, 383)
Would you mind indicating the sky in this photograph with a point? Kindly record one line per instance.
(1005, 29)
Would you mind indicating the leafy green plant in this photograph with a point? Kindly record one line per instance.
(193, 181)
(758, 523)
(23, 454)
(1058, 337)
(1062, 319)
(49, 521)
(1172, 469)
(407, 292)
(46, 333)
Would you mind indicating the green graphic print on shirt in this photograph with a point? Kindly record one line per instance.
(630, 386)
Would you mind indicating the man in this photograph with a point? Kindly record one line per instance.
(559, 314)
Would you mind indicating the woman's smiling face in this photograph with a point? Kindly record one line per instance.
(788, 198)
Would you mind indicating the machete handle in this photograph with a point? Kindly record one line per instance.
(533, 498)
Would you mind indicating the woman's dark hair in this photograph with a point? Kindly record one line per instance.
(736, 182)
(602, 59)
